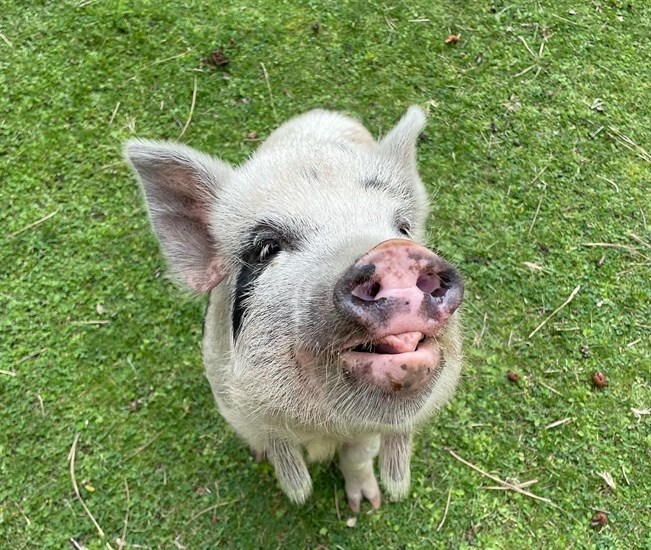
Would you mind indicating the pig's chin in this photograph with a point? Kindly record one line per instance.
(395, 363)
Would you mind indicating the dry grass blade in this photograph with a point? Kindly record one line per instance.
(639, 413)
(522, 485)
(30, 356)
(158, 62)
(502, 482)
(6, 40)
(558, 423)
(192, 104)
(73, 478)
(34, 224)
(559, 308)
(553, 390)
(608, 479)
(123, 539)
(629, 143)
(478, 337)
(445, 512)
(640, 240)
(210, 508)
(271, 95)
(8, 372)
(535, 216)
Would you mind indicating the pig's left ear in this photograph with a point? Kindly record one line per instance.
(181, 187)
(400, 143)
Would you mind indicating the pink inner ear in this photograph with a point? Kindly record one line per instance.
(204, 282)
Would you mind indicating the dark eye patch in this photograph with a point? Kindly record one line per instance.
(263, 243)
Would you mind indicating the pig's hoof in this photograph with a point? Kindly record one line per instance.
(367, 489)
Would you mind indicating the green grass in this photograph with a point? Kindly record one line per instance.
(522, 166)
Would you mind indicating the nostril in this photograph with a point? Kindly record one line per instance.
(367, 291)
(374, 289)
(430, 283)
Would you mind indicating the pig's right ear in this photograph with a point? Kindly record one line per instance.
(181, 187)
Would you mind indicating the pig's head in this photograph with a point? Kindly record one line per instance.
(335, 314)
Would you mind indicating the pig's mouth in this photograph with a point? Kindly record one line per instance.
(392, 344)
(403, 362)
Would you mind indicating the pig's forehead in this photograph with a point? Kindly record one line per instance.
(313, 171)
(318, 183)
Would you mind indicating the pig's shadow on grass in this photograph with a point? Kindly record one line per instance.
(175, 427)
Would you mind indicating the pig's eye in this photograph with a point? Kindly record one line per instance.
(267, 250)
(405, 229)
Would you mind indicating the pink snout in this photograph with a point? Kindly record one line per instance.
(401, 293)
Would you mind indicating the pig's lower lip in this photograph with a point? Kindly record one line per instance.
(401, 363)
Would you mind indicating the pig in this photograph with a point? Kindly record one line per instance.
(330, 328)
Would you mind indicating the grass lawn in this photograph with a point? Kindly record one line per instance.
(538, 158)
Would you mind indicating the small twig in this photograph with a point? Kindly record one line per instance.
(569, 299)
(558, 423)
(549, 388)
(91, 322)
(34, 224)
(71, 458)
(271, 96)
(502, 482)
(522, 485)
(76, 545)
(194, 99)
(611, 245)
(206, 510)
(8, 372)
(445, 512)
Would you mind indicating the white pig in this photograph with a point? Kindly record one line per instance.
(329, 328)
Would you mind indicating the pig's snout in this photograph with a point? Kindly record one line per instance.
(401, 293)
(397, 287)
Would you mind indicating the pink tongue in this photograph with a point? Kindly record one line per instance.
(398, 343)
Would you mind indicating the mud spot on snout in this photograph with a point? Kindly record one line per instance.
(430, 308)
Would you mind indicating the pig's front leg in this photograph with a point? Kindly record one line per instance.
(356, 464)
(291, 471)
(395, 456)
